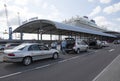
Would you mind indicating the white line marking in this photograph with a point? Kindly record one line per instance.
(62, 61)
(68, 59)
(42, 66)
(105, 69)
(36, 68)
(111, 50)
(10, 75)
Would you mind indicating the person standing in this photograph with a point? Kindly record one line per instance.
(63, 46)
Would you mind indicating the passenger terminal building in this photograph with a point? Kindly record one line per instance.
(80, 27)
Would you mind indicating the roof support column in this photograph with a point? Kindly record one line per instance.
(59, 37)
(75, 37)
(40, 31)
(41, 36)
(38, 35)
(21, 35)
(51, 37)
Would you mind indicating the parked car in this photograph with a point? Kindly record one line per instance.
(116, 41)
(95, 44)
(11, 45)
(105, 44)
(75, 45)
(2, 46)
(29, 52)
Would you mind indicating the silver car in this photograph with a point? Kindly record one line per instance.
(29, 52)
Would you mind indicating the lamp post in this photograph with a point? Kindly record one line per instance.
(7, 22)
(6, 14)
(19, 18)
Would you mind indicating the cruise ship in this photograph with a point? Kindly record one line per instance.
(84, 22)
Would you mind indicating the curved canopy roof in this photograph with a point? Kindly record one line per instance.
(52, 27)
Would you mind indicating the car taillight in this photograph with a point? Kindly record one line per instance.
(11, 54)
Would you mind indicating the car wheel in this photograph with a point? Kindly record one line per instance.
(27, 61)
(55, 56)
(78, 51)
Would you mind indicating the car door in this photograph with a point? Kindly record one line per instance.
(35, 52)
(45, 50)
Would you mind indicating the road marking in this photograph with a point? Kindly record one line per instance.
(42, 66)
(68, 59)
(5, 76)
(105, 69)
(36, 68)
(111, 50)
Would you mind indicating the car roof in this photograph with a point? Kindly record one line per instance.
(30, 43)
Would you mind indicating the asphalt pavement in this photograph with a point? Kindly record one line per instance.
(94, 65)
(111, 72)
(1, 57)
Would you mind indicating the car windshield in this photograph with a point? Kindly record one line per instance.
(20, 47)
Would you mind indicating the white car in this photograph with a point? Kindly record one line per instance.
(75, 45)
(105, 44)
(29, 52)
(80, 45)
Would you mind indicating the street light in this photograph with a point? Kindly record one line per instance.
(6, 13)
(19, 18)
(9, 28)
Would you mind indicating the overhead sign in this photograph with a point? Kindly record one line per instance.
(31, 19)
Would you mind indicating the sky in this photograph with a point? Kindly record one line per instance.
(106, 13)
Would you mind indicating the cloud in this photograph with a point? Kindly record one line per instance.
(37, 2)
(19, 2)
(112, 9)
(55, 14)
(45, 5)
(90, 0)
(105, 1)
(106, 24)
(118, 19)
(101, 1)
(101, 21)
(95, 11)
(2, 9)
